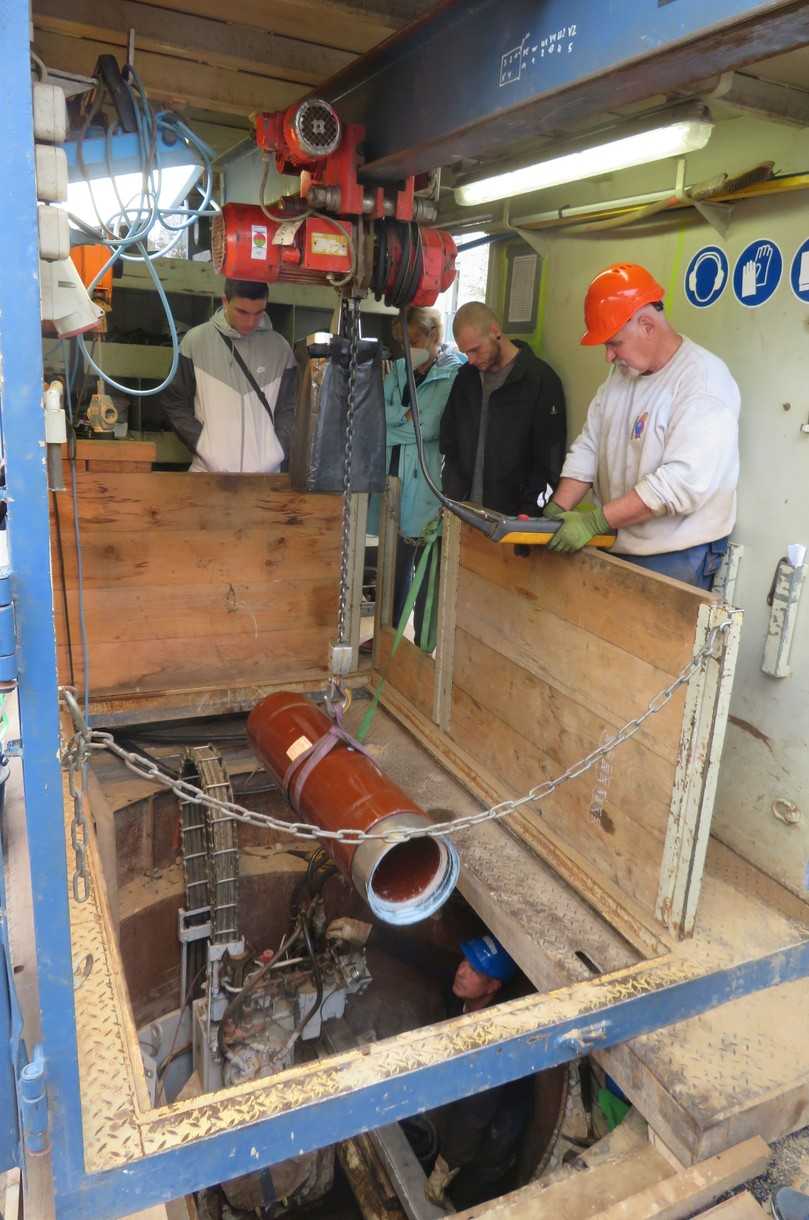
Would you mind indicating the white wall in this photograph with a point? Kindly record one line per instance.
(767, 349)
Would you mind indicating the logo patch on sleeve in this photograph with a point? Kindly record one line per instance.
(639, 426)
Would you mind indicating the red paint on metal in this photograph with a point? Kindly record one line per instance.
(346, 788)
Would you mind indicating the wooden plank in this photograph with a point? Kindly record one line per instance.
(170, 612)
(211, 503)
(387, 542)
(214, 42)
(617, 684)
(701, 741)
(582, 1195)
(193, 582)
(618, 602)
(411, 671)
(115, 451)
(615, 846)
(105, 467)
(12, 1195)
(679, 1196)
(195, 557)
(176, 80)
(627, 917)
(144, 707)
(338, 25)
(740, 1207)
(155, 665)
(564, 729)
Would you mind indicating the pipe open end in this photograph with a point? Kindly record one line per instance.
(411, 880)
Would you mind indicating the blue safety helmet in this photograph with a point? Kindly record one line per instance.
(486, 955)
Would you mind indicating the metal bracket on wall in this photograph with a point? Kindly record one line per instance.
(783, 600)
(724, 584)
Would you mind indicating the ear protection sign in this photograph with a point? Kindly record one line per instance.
(706, 276)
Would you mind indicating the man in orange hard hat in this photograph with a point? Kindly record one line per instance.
(660, 445)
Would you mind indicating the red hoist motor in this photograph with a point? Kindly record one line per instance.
(337, 230)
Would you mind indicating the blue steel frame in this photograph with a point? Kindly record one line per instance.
(78, 1195)
(479, 76)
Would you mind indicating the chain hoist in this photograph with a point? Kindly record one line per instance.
(146, 768)
(340, 653)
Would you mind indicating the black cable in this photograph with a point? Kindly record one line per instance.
(412, 279)
(394, 296)
(318, 1000)
(185, 1004)
(66, 605)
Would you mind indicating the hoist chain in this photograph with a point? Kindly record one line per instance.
(353, 310)
(75, 759)
(95, 739)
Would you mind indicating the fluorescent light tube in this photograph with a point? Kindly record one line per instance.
(670, 139)
(174, 183)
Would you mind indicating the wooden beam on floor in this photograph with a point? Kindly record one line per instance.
(583, 1195)
(683, 1194)
(740, 1207)
(175, 80)
(202, 39)
(642, 1186)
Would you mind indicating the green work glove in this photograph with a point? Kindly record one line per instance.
(553, 510)
(577, 529)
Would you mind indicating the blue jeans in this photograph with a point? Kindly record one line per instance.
(696, 565)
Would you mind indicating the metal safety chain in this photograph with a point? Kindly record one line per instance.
(96, 739)
(75, 759)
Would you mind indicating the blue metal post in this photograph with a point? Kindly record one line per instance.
(10, 1026)
(29, 542)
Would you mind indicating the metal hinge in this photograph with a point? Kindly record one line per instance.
(33, 1097)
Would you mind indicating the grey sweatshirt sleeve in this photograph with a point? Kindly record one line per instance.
(177, 402)
(285, 407)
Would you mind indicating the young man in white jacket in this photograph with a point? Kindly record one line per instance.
(233, 399)
(660, 445)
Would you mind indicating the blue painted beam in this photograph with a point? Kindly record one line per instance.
(475, 78)
(23, 428)
(603, 1012)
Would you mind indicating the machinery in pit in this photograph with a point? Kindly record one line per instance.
(247, 1014)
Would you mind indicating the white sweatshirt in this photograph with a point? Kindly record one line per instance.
(673, 436)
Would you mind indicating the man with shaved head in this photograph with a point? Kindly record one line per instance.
(503, 430)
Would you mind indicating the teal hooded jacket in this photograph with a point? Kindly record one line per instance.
(417, 505)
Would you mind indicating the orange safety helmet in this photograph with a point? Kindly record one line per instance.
(613, 297)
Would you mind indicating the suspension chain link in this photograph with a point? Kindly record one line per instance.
(75, 759)
(353, 310)
(95, 739)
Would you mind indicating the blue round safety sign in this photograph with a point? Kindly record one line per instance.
(757, 273)
(706, 277)
(799, 272)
